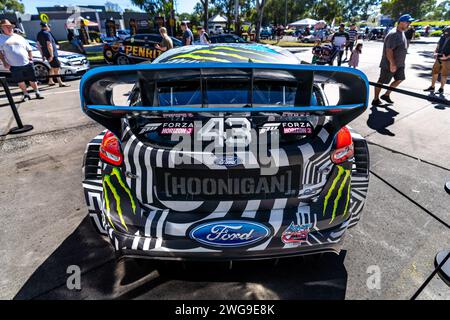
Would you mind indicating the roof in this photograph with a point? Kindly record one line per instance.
(304, 22)
(225, 53)
(218, 19)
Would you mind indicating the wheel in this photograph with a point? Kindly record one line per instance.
(41, 71)
(121, 60)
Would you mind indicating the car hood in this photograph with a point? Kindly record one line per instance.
(61, 54)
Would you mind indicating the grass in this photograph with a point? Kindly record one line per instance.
(95, 57)
(287, 43)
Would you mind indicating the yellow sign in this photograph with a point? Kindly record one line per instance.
(43, 17)
(142, 52)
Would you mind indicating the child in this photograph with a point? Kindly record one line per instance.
(354, 58)
(316, 51)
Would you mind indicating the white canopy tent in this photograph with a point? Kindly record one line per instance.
(303, 22)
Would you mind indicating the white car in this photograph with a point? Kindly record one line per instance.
(72, 64)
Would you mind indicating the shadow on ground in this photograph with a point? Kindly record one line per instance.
(380, 118)
(102, 277)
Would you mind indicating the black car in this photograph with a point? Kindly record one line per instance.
(135, 49)
(227, 38)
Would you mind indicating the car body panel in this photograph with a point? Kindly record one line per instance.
(153, 206)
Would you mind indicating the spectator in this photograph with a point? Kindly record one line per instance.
(354, 57)
(353, 37)
(366, 33)
(16, 56)
(339, 41)
(409, 34)
(166, 42)
(442, 62)
(316, 51)
(75, 41)
(204, 38)
(188, 36)
(49, 51)
(392, 63)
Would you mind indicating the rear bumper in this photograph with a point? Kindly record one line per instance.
(184, 248)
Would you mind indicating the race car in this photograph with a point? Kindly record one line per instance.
(134, 49)
(224, 152)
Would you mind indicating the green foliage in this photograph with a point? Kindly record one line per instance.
(417, 8)
(11, 6)
(436, 33)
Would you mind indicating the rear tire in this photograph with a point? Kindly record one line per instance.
(122, 60)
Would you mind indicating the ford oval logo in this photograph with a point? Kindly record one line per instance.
(227, 161)
(229, 233)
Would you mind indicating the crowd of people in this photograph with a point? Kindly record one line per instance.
(16, 55)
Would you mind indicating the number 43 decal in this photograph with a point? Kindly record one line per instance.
(238, 134)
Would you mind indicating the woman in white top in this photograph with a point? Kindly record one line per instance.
(204, 38)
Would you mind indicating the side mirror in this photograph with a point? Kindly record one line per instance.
(447, 187)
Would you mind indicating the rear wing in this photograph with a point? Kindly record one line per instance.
(109, 93)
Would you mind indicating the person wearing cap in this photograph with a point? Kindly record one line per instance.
(203, 36)
(16, 56)
(339, 40)
(442, 62)
(392, 63)
(49, 51)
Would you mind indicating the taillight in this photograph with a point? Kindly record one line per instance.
(110, 149)
(343, 146)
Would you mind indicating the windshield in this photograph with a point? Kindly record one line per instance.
(231, 93)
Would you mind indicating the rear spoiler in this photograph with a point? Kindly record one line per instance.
(96, 89)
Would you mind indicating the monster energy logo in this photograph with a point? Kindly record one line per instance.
(108, 184)
(346, 173)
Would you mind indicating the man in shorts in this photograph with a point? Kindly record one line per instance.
(442, 63)
(16, 56)
(352, 38)
(392, 63)
(49, 51)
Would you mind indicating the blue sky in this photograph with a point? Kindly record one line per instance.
(30, 5)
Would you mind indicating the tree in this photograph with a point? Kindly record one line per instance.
(328, 10)
(11, 6)
(260, 4)
(149, 6)
(356, 10)
(205, 5)
(416, 8)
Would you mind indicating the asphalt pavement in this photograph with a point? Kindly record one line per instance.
(404, 224)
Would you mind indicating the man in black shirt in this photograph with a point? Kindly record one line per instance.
(188, 36)
(49, 51)
(442, 63)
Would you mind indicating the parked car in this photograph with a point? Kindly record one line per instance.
(227, 38)
(323, 35)
(217, 29)
(123, 33)
(134, 49)
(266, 33)
(72, 64)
